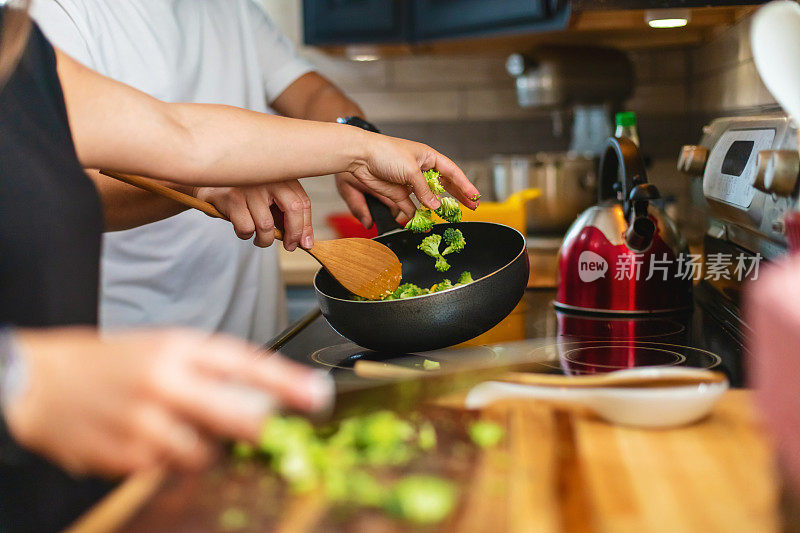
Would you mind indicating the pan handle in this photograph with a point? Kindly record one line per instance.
(381, 215)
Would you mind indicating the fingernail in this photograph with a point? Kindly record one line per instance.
(255, 402)
(291, 247)
(308, 242)
(366, 222)
(321, 389)
(436, 203)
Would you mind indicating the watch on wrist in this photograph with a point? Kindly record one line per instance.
(13, 367)
(358, 122)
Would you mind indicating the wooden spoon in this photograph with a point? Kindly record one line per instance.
(364, 267)
(638, 378)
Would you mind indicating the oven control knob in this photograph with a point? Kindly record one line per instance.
(781, 172)
(692, 160)
(759, 176)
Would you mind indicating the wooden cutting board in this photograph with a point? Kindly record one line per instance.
(555, 471)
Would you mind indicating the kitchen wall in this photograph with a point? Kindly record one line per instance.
(722, 81)
(724, 78)
(465, 105)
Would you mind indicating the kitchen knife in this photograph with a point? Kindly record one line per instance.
(412, 390)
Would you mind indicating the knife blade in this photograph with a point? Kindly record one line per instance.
(404, 393)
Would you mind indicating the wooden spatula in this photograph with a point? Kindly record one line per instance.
(364, 267)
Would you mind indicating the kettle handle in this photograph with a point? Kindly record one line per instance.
(620, 163)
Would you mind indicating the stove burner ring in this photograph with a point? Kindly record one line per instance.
(564, 355)
(334, 356)
(339, 355)
(571, 356)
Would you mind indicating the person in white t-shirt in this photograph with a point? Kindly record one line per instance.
(188, 270)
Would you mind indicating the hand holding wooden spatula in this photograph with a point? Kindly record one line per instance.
(365, 267)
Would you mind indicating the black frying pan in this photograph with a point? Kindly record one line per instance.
(496, 256)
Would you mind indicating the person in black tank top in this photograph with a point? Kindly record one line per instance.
(52, 110)
(50, 228)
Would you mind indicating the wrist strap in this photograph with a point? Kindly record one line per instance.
(358, 122)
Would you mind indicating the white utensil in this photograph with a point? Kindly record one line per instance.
(651, 407)
(775, 40)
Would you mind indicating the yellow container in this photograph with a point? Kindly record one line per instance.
(511, 212)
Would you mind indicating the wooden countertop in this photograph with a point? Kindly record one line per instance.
(555, 471)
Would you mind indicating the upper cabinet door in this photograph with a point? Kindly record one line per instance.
(437, 18)
(354, 21)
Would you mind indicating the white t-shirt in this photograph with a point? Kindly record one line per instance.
(188, 270)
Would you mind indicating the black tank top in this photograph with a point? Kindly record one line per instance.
(50, 229)
(50, 215)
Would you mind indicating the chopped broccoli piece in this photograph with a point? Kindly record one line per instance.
(335, 484)
(284, 433)
(233, 519)
(465, 278)
(365, 490)
(335, 460)
(430, 245)
(454, 240)
(243, 450)
(432, 177)
(422, 221)
(422, 499)
(426, 439)
(449, 210)
(442, 286)
(485, 434)
(406, 290)
(383, 429)
(297, 467)
(427, 364)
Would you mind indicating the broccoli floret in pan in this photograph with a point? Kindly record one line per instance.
(407, 290)
(464, 278)
(449, 210)
(441, 264)
(442, 286)
(430, 245)
(422, 221)
(454, 240)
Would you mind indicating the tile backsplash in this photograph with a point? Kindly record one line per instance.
(723, 75)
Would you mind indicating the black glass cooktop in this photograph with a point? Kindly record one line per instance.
(709, 337)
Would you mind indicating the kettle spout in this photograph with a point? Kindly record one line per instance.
(640, 233)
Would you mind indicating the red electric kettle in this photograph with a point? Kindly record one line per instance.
(625, 255)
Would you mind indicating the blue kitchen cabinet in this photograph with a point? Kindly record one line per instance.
(454, 18)
(333, 22)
